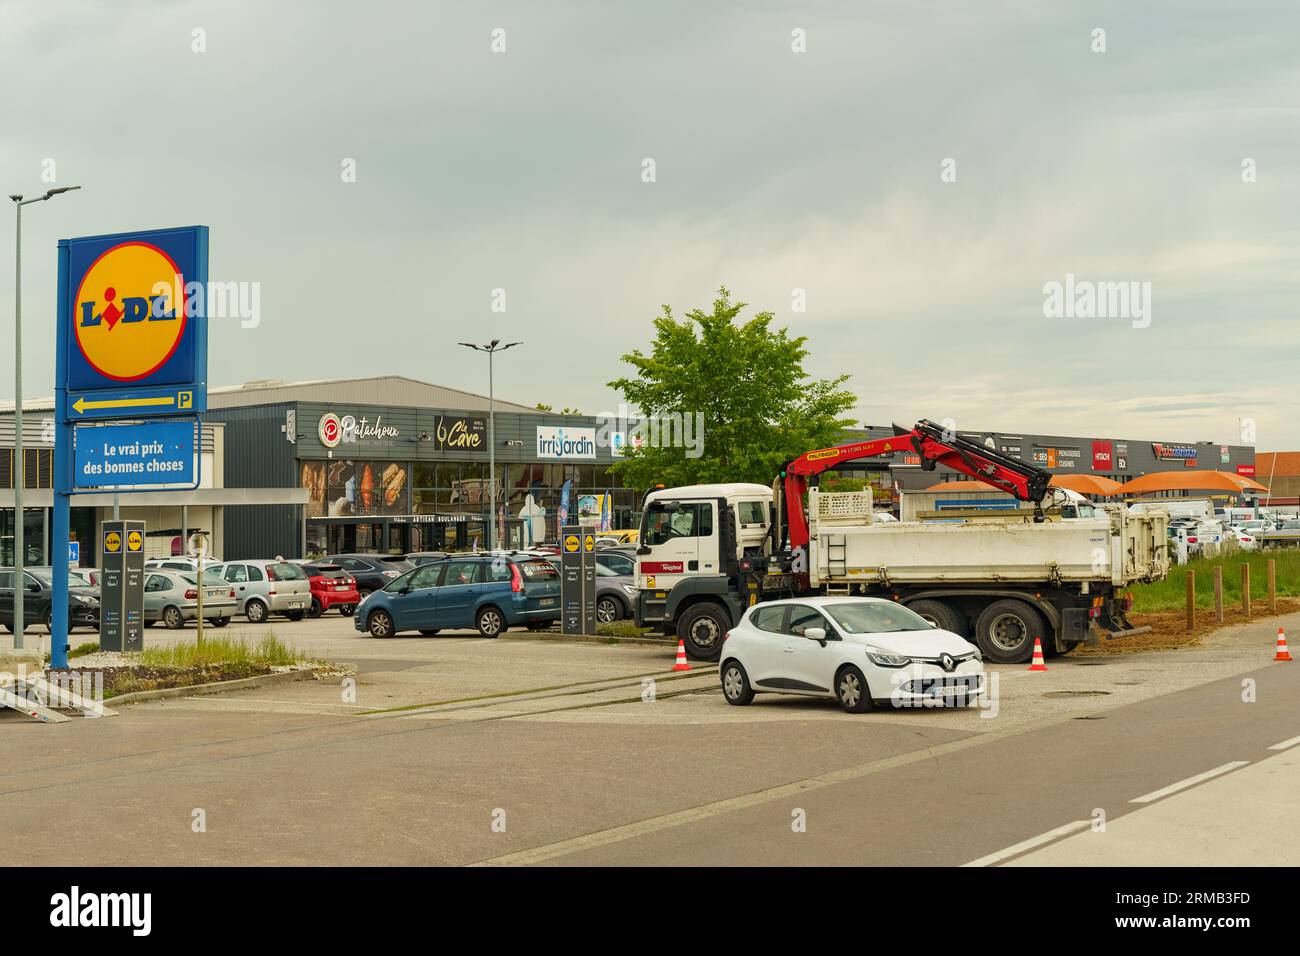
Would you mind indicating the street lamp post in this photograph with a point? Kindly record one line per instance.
(18, 467)
(491, 349)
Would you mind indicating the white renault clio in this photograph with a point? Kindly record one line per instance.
(861, 651)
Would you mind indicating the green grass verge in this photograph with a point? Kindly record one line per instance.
(267, 650)
(1171, 593)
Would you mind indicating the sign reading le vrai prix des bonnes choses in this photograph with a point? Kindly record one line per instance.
(133, 346)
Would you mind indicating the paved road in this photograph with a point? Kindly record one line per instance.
(449, 738)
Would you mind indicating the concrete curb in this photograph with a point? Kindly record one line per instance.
(218, 687)
(670, 643)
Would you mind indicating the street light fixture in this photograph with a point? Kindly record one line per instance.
(491, 349)
(19, 470)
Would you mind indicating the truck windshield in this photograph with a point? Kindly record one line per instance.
(689, 520)
(872, 617)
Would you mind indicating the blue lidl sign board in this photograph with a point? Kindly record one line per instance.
(150, 453)
(132, 335)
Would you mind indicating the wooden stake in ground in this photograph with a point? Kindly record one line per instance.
(1245, 590)
(1218, 593)
(1272, 587)
(1191, 601)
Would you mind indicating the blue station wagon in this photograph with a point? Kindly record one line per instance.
(491, 592)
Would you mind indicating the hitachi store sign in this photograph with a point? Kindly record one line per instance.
(561, 443)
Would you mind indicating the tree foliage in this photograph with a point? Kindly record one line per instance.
(746, 380)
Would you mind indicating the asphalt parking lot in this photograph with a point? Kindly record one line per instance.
(600, 753)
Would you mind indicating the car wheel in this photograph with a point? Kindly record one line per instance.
(1006, 630)
(148, 623)
(173, 618)
(315, 610)
(221, 621)
(49, 622)
(380, 624)
(255, 611)
(735, 684)
(608, 610)
(364, 593)
(490, 622)
(941, 615)
(347, 610)
(702, 628)
(851, 690)
(295, 615)
(429, 631)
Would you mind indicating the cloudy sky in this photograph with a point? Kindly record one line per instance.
(775, 170)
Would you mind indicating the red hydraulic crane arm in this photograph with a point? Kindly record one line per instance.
(929, 441)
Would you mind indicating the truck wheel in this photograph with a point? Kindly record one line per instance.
(1006, 630)
(944, 616)
(702, 628)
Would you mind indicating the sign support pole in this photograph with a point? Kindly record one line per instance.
(62, 477)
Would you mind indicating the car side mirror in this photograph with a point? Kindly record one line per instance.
(34, 588)
(404, 589)
(934, 625)
(643, 550)
(817, 634)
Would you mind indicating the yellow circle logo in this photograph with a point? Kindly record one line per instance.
(112, 542)
(134, 541)
(571, 543)
(130, 311)
(589, 542)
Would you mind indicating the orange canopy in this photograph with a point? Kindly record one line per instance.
(1189, 481)
(1087, 484)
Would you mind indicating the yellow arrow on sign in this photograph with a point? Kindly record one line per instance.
(81, 405)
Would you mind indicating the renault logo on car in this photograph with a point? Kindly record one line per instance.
(946, 662)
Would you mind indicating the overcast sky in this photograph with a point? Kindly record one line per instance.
(775, 170)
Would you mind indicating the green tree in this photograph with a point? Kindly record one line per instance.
(759, 407)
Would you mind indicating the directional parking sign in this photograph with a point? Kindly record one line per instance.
(133, 323)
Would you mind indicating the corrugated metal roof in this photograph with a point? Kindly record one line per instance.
(395, 390)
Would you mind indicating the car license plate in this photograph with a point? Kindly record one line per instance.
(546, 601)
(295, 604)
(340, 587)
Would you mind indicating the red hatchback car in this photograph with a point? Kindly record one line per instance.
(331, 586)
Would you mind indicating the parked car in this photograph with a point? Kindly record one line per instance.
(180, 563)
(490, 591)
(620, 560)
(331, 587)
(173, 597)
(371, 571)
(90, 575)
(38, 601)
(860, 651)
(1245, 540)
(615, 593)
(621, 537)
(268, 586)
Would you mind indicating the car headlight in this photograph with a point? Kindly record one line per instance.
(630, 589)
(888, 660)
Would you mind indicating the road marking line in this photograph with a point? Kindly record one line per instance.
(707, 811)
(1189, 782)
(1031, 843)
(1286, 744)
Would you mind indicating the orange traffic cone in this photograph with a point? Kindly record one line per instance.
(1038, 664)
(681, 664)
(1282, 653)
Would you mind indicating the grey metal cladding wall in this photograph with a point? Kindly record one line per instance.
(257, 455)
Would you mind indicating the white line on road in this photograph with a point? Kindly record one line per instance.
(1030, 844)
(1189, 782)
(1286, 744)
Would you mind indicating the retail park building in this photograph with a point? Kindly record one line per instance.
(394, 465)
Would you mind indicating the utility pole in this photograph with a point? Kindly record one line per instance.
(491, 349)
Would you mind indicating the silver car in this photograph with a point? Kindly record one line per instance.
(173, 598)
(268, 586)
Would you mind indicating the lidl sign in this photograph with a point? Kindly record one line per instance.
(133, 323)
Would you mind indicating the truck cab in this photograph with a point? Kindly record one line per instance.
(691, 542)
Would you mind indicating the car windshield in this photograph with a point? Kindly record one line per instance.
(285, 571)
(871, 617)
